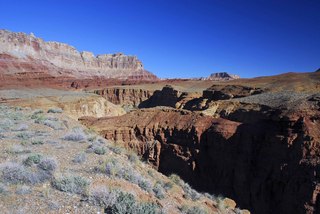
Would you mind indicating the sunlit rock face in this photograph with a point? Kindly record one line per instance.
(20, 52)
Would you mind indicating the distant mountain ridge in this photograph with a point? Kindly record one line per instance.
(223, 76)
(20, 52)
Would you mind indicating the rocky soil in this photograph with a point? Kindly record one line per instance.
(253, 140)
(258, 146)
(49, 163)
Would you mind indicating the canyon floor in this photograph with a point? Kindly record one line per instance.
(173, 146)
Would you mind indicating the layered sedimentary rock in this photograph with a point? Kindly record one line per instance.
(221, 92)
(75, 105)
(266, 159)
(222, 76)
(22, 54)
(125, 96)
(168, 96)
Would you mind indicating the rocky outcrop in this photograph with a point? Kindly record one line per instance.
(125, 96)
(168, 96)
(221, 76)
(224, 92)
(74, 105)
(267, 162)
(22, 53)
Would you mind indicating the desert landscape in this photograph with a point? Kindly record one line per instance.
(100, 134)
(159, 107)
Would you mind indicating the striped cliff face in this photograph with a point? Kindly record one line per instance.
(27, 53)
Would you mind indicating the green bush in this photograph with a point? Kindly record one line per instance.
(168, 185)
(100, 150)
(33, 159)
(55, 110)
(16, 173)
(176, 179)
(72, 184)
(37, 142)
(193, 210)
(158, 191)
(133, 157)
(190, 193)
(80, 158)
(119, 202)
(23, 136)
(77, 134)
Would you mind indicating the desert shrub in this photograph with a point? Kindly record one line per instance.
(21, 127)
(133, 157)
(91, 138)
(52, 124)
(147, 208)
(100, 150)
(158, 191)
(97, 149)
(55, 110)
(168, 185)
(17, 116)
(53, 205)
(48, 164)
(114, 169)
(52, 119)
(212, 197)
(52, 142)
(111, 169)
(16, 173)
(119, 202)
(145, 184)
(176, 179)
(101, 141)
(103, 196)
(37, 142)
(5, 124)
(72, 184)
(77, 134)
(80, 158)
(32, 159)
(192, 210)
(38, 116)
(23, 135)
(18, 149)
(190, 193)
(23, 190)
(3, 189)
(18, 108)
(116, 149)
(125, 203)
(38, 111)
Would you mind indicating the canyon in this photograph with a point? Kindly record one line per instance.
(255, 140)
(257, 146)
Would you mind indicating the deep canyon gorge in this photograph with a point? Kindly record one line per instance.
(255, 141)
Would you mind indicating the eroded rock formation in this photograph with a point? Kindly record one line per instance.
(28, 56)
(223, 76)
(267, 161)
(125, 96)
(224, 92)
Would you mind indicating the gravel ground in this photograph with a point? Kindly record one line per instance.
(275, 99)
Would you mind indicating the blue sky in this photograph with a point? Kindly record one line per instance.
(181, 38)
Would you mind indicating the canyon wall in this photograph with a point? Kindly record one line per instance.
(22, 53)
(125, 96)
(267, 160)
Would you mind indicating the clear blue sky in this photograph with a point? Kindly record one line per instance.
(181, 38)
